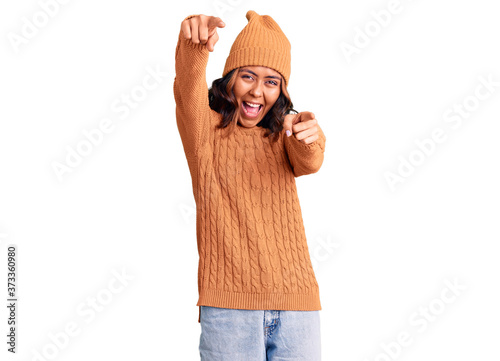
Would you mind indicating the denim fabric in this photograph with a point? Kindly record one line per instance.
(259, 335)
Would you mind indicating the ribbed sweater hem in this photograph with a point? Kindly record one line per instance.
(259, 301)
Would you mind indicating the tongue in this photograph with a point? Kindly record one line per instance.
(251, 110)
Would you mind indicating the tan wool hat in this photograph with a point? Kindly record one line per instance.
(260, 43)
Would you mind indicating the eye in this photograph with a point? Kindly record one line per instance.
(246, 76)
(274, 82)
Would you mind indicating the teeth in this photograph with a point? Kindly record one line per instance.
(252, 105)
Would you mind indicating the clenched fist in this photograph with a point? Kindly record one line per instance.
(202, 29)
(303, 125)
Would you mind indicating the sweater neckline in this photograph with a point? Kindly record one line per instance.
(250, 131)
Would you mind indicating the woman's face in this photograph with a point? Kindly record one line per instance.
(257, 85)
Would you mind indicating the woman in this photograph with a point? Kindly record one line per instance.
(258, 295)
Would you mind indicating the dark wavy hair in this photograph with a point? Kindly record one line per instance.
(221, 99)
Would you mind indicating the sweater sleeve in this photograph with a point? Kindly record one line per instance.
(191, 93)
(305, 158)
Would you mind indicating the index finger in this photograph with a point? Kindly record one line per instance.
(305, 116)
(215, 21)
(303, 125)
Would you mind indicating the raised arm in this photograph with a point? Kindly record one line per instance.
(304, 158)
(197, 38)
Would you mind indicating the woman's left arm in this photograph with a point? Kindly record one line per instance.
(305, 146)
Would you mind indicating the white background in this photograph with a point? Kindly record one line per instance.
(381, 255)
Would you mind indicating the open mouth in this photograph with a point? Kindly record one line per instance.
(251, 110)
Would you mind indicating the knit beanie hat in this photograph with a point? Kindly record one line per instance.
(260, 43)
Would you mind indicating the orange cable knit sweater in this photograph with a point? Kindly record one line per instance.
(252, 247)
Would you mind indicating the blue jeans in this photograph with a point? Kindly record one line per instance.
(259, 335)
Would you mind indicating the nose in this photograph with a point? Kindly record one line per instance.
(256, 89)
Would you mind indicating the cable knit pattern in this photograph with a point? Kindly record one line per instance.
(252, 247)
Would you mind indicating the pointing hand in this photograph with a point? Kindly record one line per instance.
(202, 29)
(303, 126)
